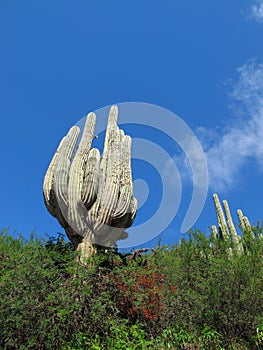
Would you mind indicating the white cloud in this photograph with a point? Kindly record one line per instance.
(228, 151)
(257, 11)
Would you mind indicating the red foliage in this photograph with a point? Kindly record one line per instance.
(139, 294)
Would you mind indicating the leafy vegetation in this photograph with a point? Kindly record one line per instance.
(189, 296)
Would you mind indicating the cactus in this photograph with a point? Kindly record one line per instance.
(227, 228)
(232, 231)
(214, 233)
(91, 195)
(222, 225)
(244, 222)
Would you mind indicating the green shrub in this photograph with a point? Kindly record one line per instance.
(190, 296)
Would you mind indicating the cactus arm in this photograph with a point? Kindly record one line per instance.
(214, 232)
(55, 179)
(111, 190)
(126, 188)
(128, 218)
(221, 218)
(237, 245)
(229, 219)
(244, 222)
(105, 171)
(123, 203)
(112, 123)
(48, 185)
(108, 194)
(91, 178)
(241, 220)
(76, 208)
(247, 224)
(63, 166)
(76, 173)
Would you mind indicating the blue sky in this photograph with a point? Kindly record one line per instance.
(202, 60)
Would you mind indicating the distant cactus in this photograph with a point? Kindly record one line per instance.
(91, 195)
(222, 225)
(226, 228)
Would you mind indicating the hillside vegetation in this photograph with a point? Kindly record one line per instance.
(194, 295)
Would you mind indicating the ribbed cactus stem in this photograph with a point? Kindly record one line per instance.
(222, 225)
(214, 232)
(247, 224)
(233, 233)
(229, 219)
(241, 220)
(61, 174)
(244, 223)
(92, 195)
(49, 196)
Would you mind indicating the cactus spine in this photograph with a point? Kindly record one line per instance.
(91, 195)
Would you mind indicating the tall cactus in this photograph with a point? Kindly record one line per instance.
(222, 225)
(91, 195)
(226, 227)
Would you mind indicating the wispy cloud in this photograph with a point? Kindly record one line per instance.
(257, 11)
(229, 150)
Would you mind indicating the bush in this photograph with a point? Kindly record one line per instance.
(225, 293)
(190, 296)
